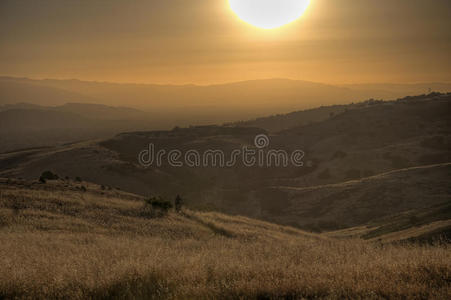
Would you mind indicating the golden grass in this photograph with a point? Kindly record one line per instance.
(66, 244)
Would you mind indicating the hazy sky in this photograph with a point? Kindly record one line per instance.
(202, 41)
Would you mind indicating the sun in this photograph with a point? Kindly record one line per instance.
(269, 14)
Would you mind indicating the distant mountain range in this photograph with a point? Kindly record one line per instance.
(191, 104)
(48, 112)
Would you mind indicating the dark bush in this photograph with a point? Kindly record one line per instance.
(178, 203)
(47, 175)
(78, 179)
(160, 204)
(156, 207)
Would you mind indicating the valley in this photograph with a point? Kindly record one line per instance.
(354, 161)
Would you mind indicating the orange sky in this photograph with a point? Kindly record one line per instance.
(202, 41)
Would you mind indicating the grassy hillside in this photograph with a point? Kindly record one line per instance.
(424, 225)
(66, 239)
(361, 201)
(282, 122)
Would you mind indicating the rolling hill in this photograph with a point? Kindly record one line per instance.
(67, 239)
(363, 201)
(356, 157)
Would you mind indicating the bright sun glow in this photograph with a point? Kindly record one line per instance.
(269, 14)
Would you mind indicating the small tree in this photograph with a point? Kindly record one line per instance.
(178, 203)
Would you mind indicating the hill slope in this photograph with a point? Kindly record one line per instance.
(365, 140)
(60, 240)
(363, 201)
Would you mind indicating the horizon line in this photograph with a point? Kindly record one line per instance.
(4, 76)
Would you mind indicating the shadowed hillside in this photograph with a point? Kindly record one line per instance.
(362, 201)
(349, 156)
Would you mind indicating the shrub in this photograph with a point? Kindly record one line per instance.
(156, 207)
(78, 179)
(47, 175)
(160, 204)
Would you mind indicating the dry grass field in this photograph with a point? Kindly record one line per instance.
(59, 241)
